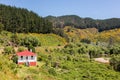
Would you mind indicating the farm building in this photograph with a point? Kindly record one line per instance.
(27, 57)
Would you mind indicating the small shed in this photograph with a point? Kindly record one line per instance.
(27, 57)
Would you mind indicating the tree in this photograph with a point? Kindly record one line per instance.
(111, 42)
(21, 20)
(78, 22)
(1, 27)
(31, 48)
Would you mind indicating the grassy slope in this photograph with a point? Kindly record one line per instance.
(51, 41)
(78, 34)
(93, 34)
(7, 69)
(47, 39)
(78, 67)
(106, 35)
(33, 73)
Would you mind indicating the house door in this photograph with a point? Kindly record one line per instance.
(27, 63)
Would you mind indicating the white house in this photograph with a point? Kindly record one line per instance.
(27, 57)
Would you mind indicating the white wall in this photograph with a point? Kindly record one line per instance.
(29, 59)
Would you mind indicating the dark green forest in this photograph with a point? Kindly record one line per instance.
(78, 22)
(21, 20)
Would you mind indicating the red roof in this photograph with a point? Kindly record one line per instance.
(26, 53)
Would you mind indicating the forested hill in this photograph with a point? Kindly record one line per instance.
(21, 20)
(78, 22)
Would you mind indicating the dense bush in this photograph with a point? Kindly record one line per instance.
(9, 50)
(30, 40)
(20, 49)
(115, 62)
(15, 58)
(52, 71)
(15, 39)
(86, 41)
(115, 49)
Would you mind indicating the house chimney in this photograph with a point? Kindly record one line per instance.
(30, 50)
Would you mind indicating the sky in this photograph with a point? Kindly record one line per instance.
(97, 9)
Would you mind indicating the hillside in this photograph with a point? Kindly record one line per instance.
(78, 22)
(47, 39)
(8, 38)
(60, 64)
(106, 36)
(21, 20)
(92, 34)
(56, 58)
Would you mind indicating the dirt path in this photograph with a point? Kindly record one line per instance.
(102, 60)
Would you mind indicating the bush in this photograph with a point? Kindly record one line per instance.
(9, 50)
(42, 57)
(20, 49)
(15, 58)
(15, 39)
(30, 40)
(31, 48)
(115, 49)
(52, 71)
(82, 50)
(86, 41)
(115, 62)
(70, 45)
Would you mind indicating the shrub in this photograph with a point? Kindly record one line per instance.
(31, 48)
(14, 58)
(115, 49)
(9, 50)
(70, 45)
(52, 71)
(115, 62)
(30, 40)
(21, 49)
(42, 57)
(15, 39)
(86, 41)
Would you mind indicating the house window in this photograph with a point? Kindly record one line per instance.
(26, 57)
(31, 57)
(21, 57)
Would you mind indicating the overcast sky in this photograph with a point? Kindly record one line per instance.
(97, 9)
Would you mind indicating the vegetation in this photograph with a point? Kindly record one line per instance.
(115, 62)
(69, 55)
(7, 68)
(33, 39)
(21, 20)
(9, 50)
(78, 22)
(61, 60)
